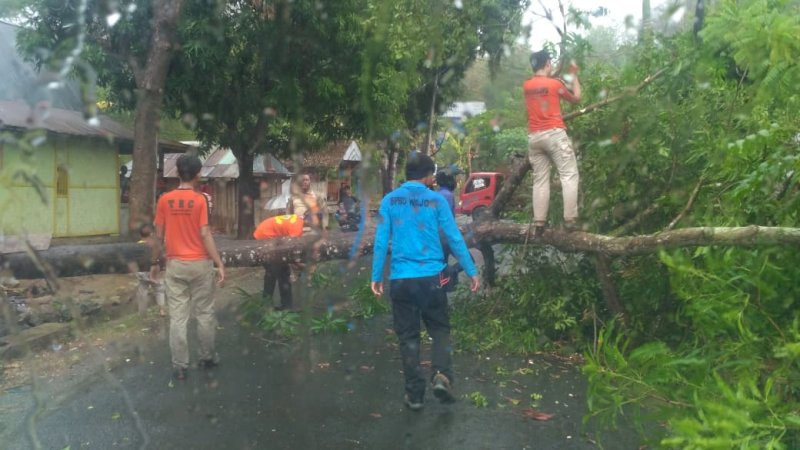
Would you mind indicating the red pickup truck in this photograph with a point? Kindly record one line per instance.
(478, 193)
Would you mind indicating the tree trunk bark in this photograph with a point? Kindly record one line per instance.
(748, 237)
(109, 258)
(388, 166)
(431, 116)
(699, 18)
(246, 194)
(605, 277)
(646, 36)
(150, 84)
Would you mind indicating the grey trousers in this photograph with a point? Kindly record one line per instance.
(190, 291)
(544, 149)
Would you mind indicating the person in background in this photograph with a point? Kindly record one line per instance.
(348, 214)
(446, 181)
(124, 184)
(548, 141)
(206, 190)
(182, 224)
(279, 272)
(146, 281)
(411, 217)
(309, 205)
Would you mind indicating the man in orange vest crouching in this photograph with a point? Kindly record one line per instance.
(279, 272)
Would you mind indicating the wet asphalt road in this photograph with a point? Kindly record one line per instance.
(339, 391)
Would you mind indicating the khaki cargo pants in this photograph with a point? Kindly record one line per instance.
(546, 148)
(190, 289)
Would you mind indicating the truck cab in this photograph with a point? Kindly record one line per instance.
(478, 193)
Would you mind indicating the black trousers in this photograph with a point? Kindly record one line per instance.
(415, 299)
(278, 273)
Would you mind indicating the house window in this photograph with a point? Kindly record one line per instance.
(62, 182)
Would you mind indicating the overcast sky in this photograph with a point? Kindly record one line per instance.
(618, 10)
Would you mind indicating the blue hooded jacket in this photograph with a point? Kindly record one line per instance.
(411, 216)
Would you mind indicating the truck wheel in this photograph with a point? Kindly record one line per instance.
(479, 213)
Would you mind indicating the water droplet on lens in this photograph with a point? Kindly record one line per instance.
(113, 18)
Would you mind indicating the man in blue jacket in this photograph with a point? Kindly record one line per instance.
(411, 216)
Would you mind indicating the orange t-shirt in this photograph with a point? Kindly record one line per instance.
(279, 226)
(543, 99)
(181, 213)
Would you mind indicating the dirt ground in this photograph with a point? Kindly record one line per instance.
(100, 344)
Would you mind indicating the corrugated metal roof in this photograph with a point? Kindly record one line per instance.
(20, 115)
(266, 163)
(170, 171)
(221, 163)
(353, 153)
(331, 155)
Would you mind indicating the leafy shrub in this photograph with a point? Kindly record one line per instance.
(365, 304)
(328, 324)
(282, 323)
(545, 301)
(729, 377)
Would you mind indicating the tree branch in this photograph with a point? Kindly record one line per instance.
(688, 206)
(747, 237)
(605, 276)
(626, 227)
(627, 93)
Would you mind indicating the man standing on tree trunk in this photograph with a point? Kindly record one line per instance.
(182, 223)
(548, 142)
(411, 217)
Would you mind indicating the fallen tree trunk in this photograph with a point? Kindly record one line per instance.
(72, 260)
(126, 257)
(748, 237)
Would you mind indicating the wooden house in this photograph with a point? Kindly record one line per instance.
(220, 179)
(59, 169)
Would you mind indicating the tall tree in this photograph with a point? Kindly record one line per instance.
(274, 76)
(151, 79)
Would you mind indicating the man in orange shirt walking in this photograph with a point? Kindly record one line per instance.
(182, 223)
(280, 272)
(548, 141)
